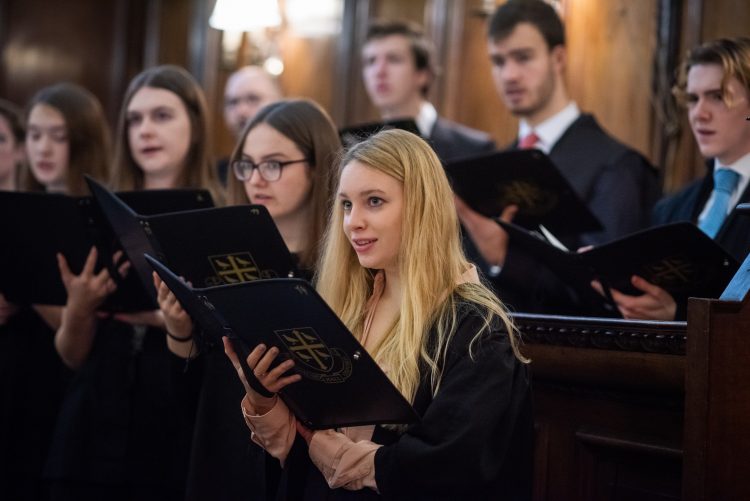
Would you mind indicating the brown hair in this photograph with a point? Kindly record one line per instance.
(310, 128)
(199, 171)
(535, 12)
(732, 54)
(87, 131)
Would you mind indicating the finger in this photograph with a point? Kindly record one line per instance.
(585, 248)
(123, 269)
(641, 283)
(156, 279)
(90, 264)
(509, 213)
(117, 256)
(597, 286)
(65, 272)
(263, 366)
(278, 371)
(282, 383)
(229, 351)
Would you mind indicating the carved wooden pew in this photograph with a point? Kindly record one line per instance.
(608, 397)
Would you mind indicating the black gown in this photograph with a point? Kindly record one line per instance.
(475, 439)
(123, 433)
(32, 384)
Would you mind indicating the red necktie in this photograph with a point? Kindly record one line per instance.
(528, 141)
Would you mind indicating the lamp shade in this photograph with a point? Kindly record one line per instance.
(245, 15)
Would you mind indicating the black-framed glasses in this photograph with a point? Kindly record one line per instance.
(270, 170)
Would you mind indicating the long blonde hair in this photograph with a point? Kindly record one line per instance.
(431, 263)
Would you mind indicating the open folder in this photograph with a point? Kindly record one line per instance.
(528, 179)
(677, 257)
(341, 384)
(357, 133)
(36, 226)
(208, 247)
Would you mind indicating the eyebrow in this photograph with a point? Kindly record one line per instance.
(363, 193)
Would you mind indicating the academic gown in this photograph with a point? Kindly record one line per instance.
(32, 383)
(225, 463)
(451, 141)
(474, 441)
(122, 432)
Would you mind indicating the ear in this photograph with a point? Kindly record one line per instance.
(424, 77)
(559, 58)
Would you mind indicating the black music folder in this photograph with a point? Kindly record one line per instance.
(528, 179)
(677, 257)
(208, 247)
(357, 133)
(341, 384)
(36, 226)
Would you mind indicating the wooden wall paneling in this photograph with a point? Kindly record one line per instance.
(347, 70)
(308, 67)
(92, 43)
(611, 46)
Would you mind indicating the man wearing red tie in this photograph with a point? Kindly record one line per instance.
(526, 44)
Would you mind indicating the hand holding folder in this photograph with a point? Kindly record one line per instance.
(341, 385)
(41, 225)
(677, 257)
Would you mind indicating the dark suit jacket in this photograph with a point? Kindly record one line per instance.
(451, 140)
(619, 186)
(687, 204)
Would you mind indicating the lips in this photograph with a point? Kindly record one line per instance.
(361, 245)
(45, 166)
(259, 198)
(150, 150)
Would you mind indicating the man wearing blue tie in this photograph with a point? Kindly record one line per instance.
(714, 84)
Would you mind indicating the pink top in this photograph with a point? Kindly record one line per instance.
(346, 458)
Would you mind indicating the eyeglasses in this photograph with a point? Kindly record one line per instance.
(269, 170)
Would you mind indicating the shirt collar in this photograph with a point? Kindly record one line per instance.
(741, 166)
(551, 129)
(426, 118)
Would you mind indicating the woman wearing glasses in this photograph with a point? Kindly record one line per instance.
(284, 160)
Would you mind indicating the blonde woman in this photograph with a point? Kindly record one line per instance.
(392, 268)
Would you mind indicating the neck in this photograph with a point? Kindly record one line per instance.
(392, 291)
(294, 230)
(163, 181)
(56, 187)
(730, 158)
(557, 102)
(408, 109)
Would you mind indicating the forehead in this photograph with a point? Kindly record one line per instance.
(396, 44)
(265, 140)
(46, 114)
(150, 97)
(357, 177)
(704, 77)
(524, 36)
(248, 83)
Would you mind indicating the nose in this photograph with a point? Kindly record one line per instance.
(256, 179)
(700, 111)
(354, 220)
(44, 144)
(145, 128)
(509, 72)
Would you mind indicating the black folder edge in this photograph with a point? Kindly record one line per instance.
(191, 299)
(454, 168)
(120, 216)
(573, 258)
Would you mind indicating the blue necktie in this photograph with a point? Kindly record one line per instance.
(725, 180)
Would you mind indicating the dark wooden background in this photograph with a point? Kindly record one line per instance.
(622, 55)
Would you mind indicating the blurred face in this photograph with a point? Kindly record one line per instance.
(158, 132)
(525, 71)
(373, 205)
(11, 152)
(390, 75)
(717, 117)
(288, 196)
(47, 146)
(245, 94)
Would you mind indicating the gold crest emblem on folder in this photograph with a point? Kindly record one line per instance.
(235, 268)
(672, 271)
(529, 197)
(313, 358)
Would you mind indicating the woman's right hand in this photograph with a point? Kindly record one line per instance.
(259, 360)
(88, 290)
(177, 322)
